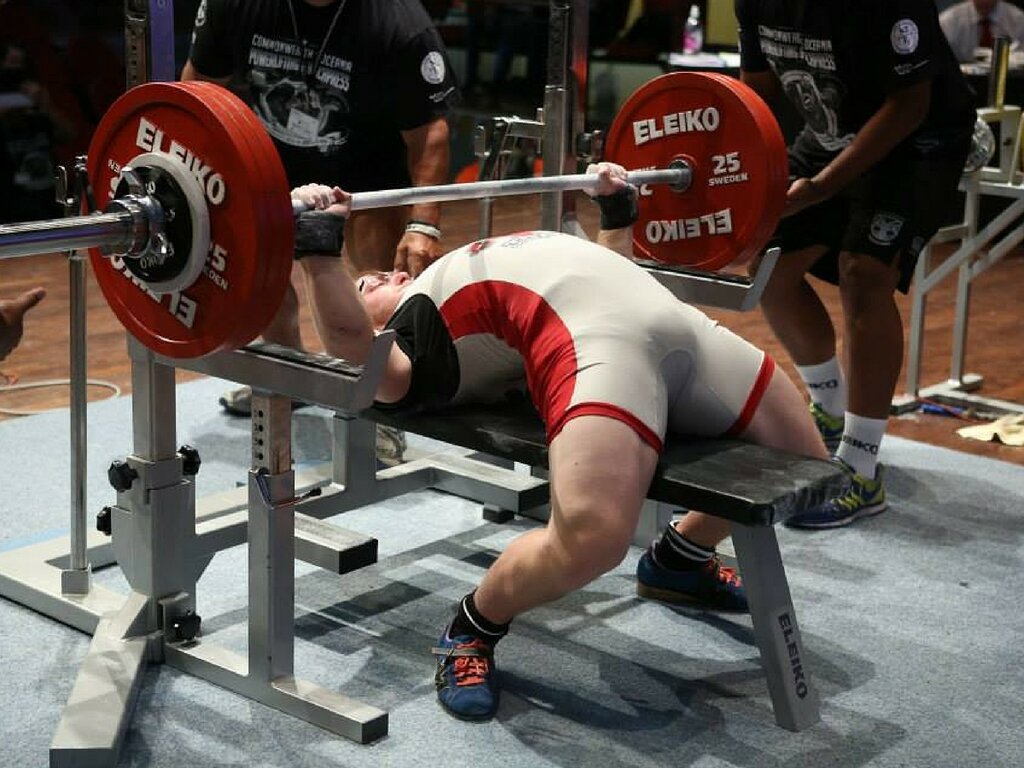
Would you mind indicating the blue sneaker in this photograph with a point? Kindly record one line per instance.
(466, 680)
(713, 585)
(831, 427)
(864, 497)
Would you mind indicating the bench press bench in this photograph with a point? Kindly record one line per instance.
(752, 486)
(745, 483)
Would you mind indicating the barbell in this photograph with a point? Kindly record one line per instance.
(193, 248)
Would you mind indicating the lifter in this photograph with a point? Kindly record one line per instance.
(612, 361)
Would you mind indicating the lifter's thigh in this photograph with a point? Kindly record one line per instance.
(782, 420)
(371, 238)
(600, 473)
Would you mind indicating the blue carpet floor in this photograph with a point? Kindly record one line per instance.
(912, 623)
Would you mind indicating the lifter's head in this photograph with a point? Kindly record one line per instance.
(381, 292)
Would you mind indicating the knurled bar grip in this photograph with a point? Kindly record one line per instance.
(678, 177)
(34, 237)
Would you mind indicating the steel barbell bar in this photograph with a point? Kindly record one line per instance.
(126, 223)
(48, 236)
(677, 176)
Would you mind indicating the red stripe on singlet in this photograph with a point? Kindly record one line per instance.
(609, 411)
(764, 377)
(527, 323)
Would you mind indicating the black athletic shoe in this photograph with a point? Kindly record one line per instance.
(712, 585)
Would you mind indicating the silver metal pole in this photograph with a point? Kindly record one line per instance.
(50, 235)
(76, 579)
(78, 402)
(440, 193)
(486, 217)
(559, 154)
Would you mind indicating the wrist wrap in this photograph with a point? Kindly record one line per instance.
(619, 209)
(319, 233)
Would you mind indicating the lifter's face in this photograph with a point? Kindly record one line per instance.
(984, 7)
(381, 292)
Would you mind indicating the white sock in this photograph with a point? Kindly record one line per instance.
(826, 384)
(861, 439)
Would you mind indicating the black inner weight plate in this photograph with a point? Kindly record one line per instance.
(149, 266)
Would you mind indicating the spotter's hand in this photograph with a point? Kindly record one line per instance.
(416, 252)
(12, 312)
(803, 193)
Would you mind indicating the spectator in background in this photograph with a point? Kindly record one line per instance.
(888, 124)
(30, 127)
(512, 28)
(974, 24)
(12, 312)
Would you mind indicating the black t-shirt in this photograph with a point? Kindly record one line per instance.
(380, 68)
(27, 187)
(838, 60)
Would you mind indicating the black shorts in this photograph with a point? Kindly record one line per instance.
(890, 213)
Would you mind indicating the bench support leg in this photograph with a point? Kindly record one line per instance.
(794, 698)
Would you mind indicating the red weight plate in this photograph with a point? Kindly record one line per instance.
(276, 239)
(276, 224)
(737, 153)
(227, 303)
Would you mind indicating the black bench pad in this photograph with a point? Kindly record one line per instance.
(739, 481)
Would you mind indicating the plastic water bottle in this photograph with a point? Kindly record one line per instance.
(693, 31)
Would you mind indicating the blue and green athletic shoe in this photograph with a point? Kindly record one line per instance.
(831, 427)
(864, 497)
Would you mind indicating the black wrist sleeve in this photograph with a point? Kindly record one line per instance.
(319, 233)
(620, 209)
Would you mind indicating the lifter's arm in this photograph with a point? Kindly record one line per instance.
(612, 181)
(339, 313)
(619, 240)
(344, 325)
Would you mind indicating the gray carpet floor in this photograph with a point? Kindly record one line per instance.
(912, 623)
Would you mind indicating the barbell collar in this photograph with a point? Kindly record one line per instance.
(677, 177)
(147, 217)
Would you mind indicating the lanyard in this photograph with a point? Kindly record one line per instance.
(311, 73)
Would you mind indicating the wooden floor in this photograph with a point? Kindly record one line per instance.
(995, 348)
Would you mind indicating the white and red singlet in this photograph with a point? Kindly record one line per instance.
(586, 331)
